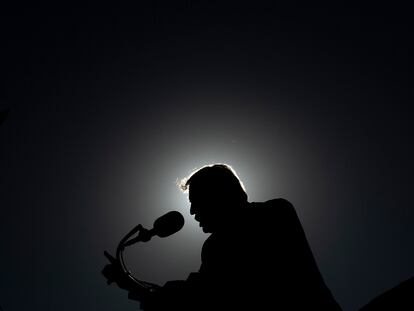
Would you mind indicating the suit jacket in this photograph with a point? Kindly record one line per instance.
(261, 260)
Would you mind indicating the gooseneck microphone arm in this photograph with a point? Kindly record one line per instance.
(144, 235)
(164, 226)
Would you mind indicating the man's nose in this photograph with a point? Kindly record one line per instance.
(193, 209)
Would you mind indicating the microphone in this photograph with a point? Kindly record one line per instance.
(168, 224)
(164, 226)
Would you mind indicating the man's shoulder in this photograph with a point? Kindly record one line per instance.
(271, 219)
(270, 213)
(278, 205)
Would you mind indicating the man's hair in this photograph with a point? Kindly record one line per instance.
(220, 176)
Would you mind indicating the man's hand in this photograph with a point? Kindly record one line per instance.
(114, 273)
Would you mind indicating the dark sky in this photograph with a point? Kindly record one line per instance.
(309, 103)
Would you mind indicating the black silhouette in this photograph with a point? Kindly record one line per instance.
(256, 258)
(399, 297)
(164, 226)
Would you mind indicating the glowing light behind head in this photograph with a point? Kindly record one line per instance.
(183, 182)
(273, 158)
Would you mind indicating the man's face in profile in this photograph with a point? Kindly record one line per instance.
(209, 208)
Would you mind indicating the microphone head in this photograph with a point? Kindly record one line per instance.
(168, 224)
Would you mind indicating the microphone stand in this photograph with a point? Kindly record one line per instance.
(144, 235)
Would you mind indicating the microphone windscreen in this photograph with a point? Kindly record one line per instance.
(168, 224)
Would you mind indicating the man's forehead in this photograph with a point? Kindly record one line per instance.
(202, 193)
(199, 191)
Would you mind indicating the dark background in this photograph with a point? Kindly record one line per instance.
(107, 110)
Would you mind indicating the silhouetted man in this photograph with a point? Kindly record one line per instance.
(256, 258)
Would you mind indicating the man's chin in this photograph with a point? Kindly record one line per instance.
(205, 229)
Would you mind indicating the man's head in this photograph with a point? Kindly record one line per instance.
(215, 193)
